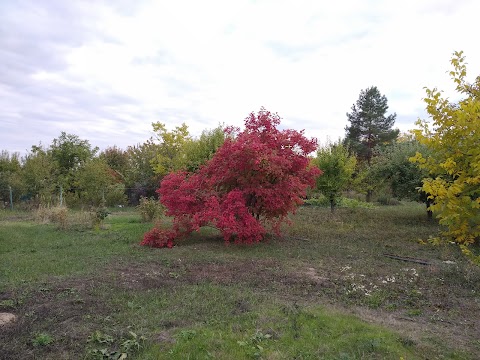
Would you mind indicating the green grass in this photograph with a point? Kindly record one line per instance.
(323, 291)
(285, 334)
(32, 252)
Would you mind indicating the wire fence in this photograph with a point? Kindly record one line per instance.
(11, 198)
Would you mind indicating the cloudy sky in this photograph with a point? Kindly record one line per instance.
(105, 70)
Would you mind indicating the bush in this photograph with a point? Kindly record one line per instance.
(149, 209)
(98, 215)
(159, 238)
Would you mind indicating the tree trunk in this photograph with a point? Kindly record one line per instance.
(428, 202)
(369, 196)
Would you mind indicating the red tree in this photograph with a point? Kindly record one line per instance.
(255, 179)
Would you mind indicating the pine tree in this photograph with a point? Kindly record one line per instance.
(369, 125)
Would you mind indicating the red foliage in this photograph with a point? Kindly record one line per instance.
(159, 238)
(256, 178)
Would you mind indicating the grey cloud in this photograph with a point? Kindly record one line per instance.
(36, 36)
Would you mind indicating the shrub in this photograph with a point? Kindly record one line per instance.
(149, 209)
(98, 215)
(159, 238)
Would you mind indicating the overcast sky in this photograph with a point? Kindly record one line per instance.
(105, 70)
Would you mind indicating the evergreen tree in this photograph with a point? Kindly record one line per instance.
(369, 125)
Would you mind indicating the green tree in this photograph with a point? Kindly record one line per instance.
(337, 166)
(69, 152)
(140, 178)
(39, 175)
(369, 125)
(453, 163)
(198, 151)
(392, 170)
(93, 181)
(10, 176)
(116, 159)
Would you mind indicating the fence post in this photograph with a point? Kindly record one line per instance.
(61, 195)
(11, 197)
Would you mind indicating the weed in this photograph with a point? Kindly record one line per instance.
(187, 334)
(100, 338)
(255, 344)
(132, 343)
(8, 303)
(129, 345)
(42, 339)
(414, 312)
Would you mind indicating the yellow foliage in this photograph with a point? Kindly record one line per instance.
(453, 136)
(171, 150)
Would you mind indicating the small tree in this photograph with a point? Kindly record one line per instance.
(453, 162)
(256, 178)
(337, 166)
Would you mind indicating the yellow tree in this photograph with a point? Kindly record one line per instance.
(453, 163)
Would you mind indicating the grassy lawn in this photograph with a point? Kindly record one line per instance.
(325, 290)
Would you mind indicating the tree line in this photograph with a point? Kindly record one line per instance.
(83, 175)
